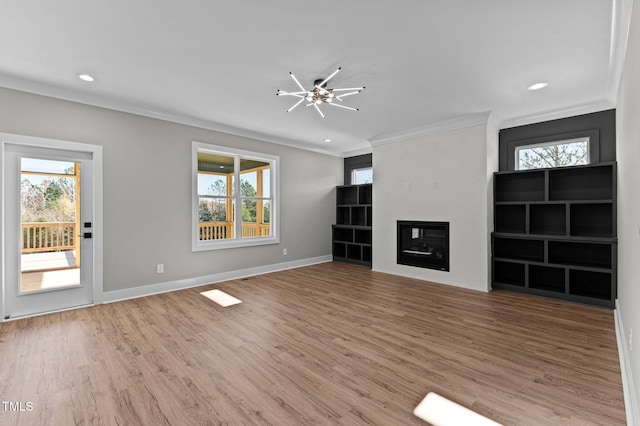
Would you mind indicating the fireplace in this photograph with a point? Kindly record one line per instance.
(424, 244)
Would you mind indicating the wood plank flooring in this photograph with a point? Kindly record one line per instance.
(329, 344)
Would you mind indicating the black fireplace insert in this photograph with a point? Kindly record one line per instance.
(423, 244)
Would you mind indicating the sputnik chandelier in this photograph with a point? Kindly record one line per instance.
(320, 94)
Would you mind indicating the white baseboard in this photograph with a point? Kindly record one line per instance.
(630, 399)
(148, 290)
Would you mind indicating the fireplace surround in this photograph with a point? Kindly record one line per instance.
(423, 244)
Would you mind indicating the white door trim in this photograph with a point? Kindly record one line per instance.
(96, 152)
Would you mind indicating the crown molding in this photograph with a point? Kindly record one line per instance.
(620, 24)
(601, 105)
(356, 152)
(430, 129)
(73, 95)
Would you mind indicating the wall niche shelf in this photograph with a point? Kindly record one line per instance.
(352, 232)
(555, 233)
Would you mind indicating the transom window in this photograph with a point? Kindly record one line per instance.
(571, 152)
(364, 175)
(234, 198)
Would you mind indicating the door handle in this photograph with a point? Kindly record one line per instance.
(85, 235)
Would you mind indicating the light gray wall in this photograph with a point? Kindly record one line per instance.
(147, 190)
(628, 153)
(493, 164)
(462, 163)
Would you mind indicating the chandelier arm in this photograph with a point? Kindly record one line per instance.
(318, 109)
(297, 103)
(344, 106)
(297, 82)
(347, 94)
(328, 78)
(349, 88)
(283, 93)
(290, 94)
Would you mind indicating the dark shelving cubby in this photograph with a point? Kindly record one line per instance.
(343, 216)
(343, 234)
(592, 220)
(592, 255)
(362, 236)
(352, 232)
(347, 195)
(339, 249)
(509, 273)
(547, 278)
(366, 254)
(548, 219)
(364, 194)
(520, 186)
(354, 252)
(511, 218)
(582, 183)
(596, 285)
(518, 249)
(359, 216)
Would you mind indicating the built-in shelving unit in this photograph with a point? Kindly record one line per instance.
(555, 233)
(352, 231)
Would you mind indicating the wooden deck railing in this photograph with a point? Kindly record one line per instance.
(48, 236)
(223, 230)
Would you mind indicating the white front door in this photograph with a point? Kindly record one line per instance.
(48, 230)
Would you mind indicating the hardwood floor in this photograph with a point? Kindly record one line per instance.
(326, 344)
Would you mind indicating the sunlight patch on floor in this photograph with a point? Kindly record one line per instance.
(221, 298)
(439, 411)
(36, 281)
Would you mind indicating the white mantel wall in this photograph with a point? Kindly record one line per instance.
(443, 177)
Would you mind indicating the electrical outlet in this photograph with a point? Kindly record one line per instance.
(284, 252)
(435, 184)
(160, 268)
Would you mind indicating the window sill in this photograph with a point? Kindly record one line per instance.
(223, 244)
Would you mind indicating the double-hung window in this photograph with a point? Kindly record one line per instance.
(235, 197)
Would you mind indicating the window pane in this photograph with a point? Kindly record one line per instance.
(209, 184)
(556, 154)
(266, 183)
(215, 218)
(256, 218)
(362, 176)
(214, 169)
(48, 166)
(248, 184)
(255, 178)
(266, 211)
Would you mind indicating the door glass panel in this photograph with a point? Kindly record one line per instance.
(50, 248)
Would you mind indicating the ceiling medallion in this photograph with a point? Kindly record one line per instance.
(320, 94)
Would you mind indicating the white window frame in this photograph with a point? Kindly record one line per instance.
(519, 148)
(237, 240)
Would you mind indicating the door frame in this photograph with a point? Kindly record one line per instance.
(97, 229)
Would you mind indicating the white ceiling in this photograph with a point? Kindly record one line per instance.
(218, 64)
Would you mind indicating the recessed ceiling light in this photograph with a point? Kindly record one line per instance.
(85, 77)
(538, 86)
(326, 140)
